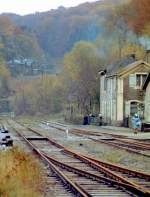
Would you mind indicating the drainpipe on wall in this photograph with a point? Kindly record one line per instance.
(116, 95)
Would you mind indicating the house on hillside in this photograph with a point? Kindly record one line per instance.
(21, 66)
(121, 90)
(146, 88)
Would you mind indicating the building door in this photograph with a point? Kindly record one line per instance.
(137, 107)
(134, 106)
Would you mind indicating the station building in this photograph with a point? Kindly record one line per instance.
(121, 90)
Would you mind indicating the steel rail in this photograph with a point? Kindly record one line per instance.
(78, 191)
(53, 163)
(120, 146)
(78, 171)
(98, 167)
(137, 144)
(105, 164)
(134, 173)
(124, 140)
(95, 177)
(93, 164)
(116, 137)
(121, 169)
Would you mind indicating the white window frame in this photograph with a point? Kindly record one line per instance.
(141, 80)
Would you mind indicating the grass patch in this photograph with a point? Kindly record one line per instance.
(110, 154)
(20, 175)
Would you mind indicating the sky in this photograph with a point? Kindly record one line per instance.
(23, 7)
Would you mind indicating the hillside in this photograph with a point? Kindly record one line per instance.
(49, 35)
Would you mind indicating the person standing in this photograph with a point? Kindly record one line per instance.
(136, 123)
(100, 119)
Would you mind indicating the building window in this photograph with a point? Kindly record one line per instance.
(140, 78)
(133, 108)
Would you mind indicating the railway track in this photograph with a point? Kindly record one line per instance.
(144, 143)
(117, 141)
(135, 176)
(86, 175)
(53, 185)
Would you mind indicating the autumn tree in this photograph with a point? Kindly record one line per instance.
(132, 48)
(7, 28)
(39, 96)
(137, 15)
(4, 79)
(117, 31)
(81, 66)
(16, 43)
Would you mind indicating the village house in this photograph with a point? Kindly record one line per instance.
(121, 90)
(146, 88)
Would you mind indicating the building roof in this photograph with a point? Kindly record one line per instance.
(114, 68)
(146, 82)
(132, 67)
(124, 66)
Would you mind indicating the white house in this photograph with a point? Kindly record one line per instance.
(120, 90)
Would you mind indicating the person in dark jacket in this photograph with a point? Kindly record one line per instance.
(85, 120)
(100, 119)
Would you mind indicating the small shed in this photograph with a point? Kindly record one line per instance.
(146, 88)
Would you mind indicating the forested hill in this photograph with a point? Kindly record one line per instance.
(51, 34)
(82, 40)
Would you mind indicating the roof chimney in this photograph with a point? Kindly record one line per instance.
(147, 58)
